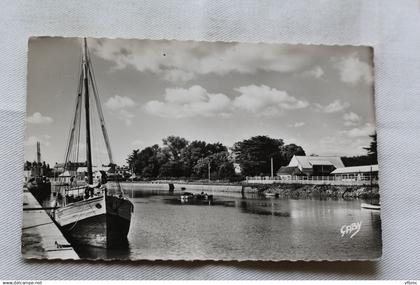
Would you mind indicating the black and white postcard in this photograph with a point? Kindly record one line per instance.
(187, 150)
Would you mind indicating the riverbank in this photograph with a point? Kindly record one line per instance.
(281, 189)
(182, 186)
(306, 191)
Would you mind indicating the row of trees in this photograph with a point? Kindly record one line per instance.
(180, 158)
(370, 158)
(41, 167)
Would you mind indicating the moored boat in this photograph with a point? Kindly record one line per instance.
(270, 194)
(370, 206)
(40, 187)
(190, 197)
(101, 220)
(186, 196)
(89, 214)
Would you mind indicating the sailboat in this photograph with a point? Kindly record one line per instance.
(89, 213)
(39, 185)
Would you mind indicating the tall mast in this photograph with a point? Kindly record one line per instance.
(38, 158)
(38, 152)
(86, 88)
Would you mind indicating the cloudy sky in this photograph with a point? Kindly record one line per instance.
(320, 97)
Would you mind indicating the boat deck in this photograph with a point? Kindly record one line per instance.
(40, 236)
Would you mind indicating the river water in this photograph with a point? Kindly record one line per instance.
(245, 228)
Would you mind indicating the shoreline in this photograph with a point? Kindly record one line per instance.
(281, 189)
(326, 191)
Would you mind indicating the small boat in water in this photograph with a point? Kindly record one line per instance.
(186, 196)
(191, 197)
(270, 194)
(370, 206)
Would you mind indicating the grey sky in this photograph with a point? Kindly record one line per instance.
(320, 97)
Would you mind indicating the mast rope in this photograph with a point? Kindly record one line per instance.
(99, 108)
(97, 124)
(73, 125)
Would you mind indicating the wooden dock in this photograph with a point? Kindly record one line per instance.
(41, 239)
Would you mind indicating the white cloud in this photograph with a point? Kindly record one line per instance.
(176, 75)
(38, 118)
(119, 102)
(333, 107)
(351, 119)
(137, 143)
(32, 140)
(342, 145)
(363, 131)
(194, 101)
(182, 61)
(197, 101)
(126, 116)
(315, 72)
(266, 101)
(120, 106)
(352, 70)
(298, 124)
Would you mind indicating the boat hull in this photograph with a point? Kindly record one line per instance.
(40, 190)
(101, 221)
(370, 206)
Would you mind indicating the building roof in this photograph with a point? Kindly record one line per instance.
(356, 169)
(287, 170)
(94, 168)
(320, 162)
(309, 161)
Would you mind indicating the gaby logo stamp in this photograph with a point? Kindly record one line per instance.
(351, 229)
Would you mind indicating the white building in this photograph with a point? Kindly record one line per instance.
(357, 173)
(316, 165)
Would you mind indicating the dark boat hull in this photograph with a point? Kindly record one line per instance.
(40, 190)
(99, 226)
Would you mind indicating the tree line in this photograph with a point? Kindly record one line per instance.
(41, 166)
(370, 158)
(180, 158)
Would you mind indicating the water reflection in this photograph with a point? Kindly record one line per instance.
(250, 227)
(268, 208)
(91, 252)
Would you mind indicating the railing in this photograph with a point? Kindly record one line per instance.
(333, 180)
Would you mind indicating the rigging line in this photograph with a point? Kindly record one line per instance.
(72, 127)
(102, 123)
(68, 148)
(101, 120)
(95, 147)
(78, 132)
(98, 142)
(75, 143)
(99, 107)
(101, 116)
